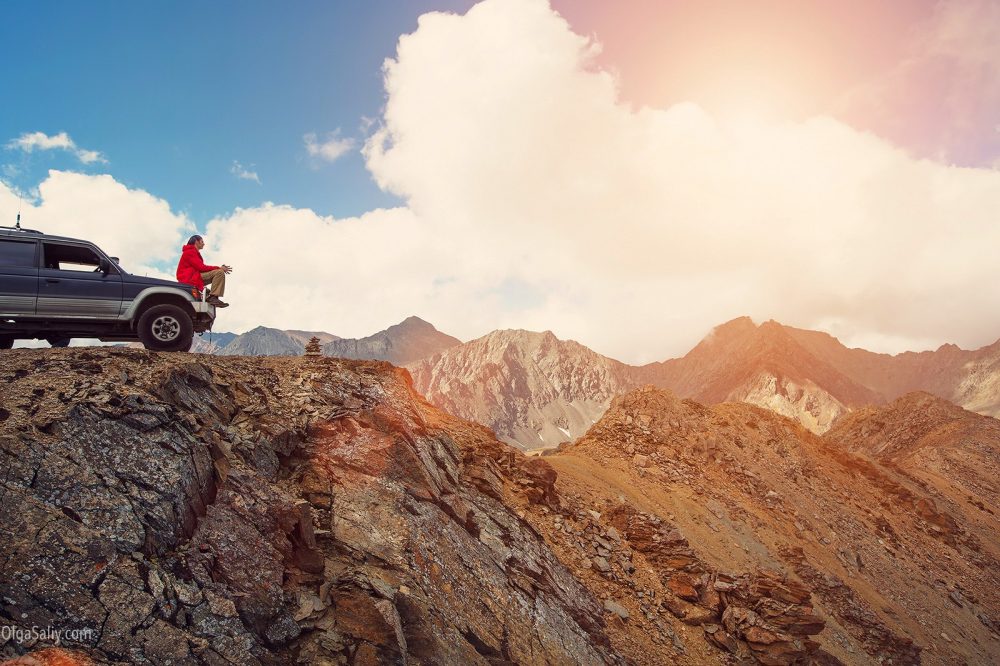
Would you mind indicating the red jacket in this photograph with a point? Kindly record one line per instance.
(190, 267)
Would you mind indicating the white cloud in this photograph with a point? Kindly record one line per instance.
(643, 228)
(244, 173)
(31, 141)
(328, 150)
(293, 268)
(130, 224)
(90, 156)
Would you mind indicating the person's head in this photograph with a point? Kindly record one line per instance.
(197, 241)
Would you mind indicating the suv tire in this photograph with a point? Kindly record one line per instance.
(6, 342)
(166, 328)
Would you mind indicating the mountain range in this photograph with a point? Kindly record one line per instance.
(537, 391)
(405, 342)
(811, 376)
(263, 341)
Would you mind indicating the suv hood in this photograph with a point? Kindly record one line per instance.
(154, 282)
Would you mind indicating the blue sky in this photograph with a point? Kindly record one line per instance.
(172, 94)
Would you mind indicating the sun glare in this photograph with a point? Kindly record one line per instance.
(746, 100)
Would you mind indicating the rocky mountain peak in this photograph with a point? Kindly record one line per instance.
(265, 341)
(766, 365)
(518, 338)
(725, 335)
(923, 401)
(735, 327)
(740, 340)
(773, 329)
(648, 401)
(531, 388)
(412, 323)
(406, 342)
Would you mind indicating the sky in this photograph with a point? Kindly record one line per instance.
(626, 174)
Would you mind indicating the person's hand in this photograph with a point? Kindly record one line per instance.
(227, 269)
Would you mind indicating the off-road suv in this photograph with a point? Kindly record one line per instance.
(55, 288)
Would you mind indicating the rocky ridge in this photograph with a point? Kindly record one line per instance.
(317, 510)
(900, 570)
(271, 511)
(950, 452)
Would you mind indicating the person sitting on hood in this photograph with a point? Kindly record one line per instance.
(191, 269)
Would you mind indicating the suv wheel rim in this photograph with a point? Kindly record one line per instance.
(166, 328)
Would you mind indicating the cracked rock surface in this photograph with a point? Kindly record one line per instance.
(182, 510)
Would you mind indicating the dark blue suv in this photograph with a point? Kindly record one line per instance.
(55, 288)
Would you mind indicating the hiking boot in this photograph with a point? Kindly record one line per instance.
(217, 302)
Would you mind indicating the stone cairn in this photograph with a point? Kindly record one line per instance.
(313, 348)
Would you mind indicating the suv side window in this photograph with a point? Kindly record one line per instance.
(71, 258)
(17, 253)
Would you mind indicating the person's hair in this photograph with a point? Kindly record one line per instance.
(194, 239)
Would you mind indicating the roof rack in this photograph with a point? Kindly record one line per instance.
(27, 231)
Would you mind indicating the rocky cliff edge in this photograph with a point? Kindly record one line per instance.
(176, 509)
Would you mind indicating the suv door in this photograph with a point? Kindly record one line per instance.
(71, 283)
(18, 276)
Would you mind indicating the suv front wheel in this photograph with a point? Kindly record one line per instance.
(6, 342)
(166, 328)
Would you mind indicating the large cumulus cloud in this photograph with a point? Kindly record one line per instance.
(641, 228)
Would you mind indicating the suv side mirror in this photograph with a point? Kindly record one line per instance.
(105, 266)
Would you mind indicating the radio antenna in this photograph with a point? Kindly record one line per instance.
(18, 225)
